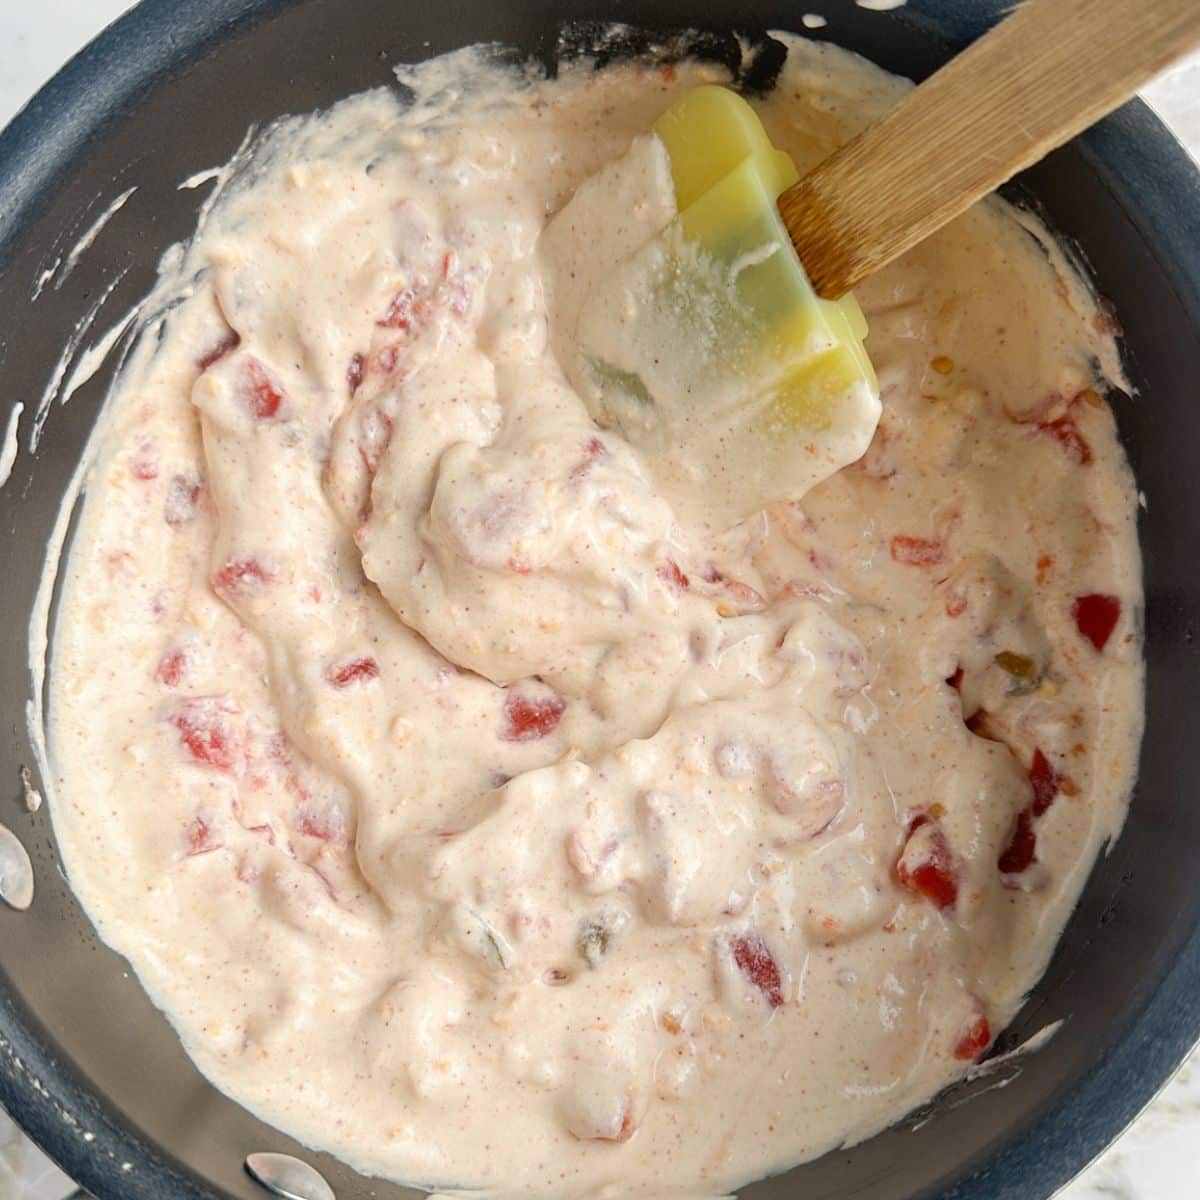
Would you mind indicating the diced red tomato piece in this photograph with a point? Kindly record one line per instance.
(279, 750)
(200, 839)
(172, 667)
(239, 575)
(594, 450)
(324, 826)
(206, 732)
(626, 1130)
(228, 343)
(374, 438)
(1067, 432)
(1096, 616)
(527, 718)
(183, 496)
(756, 962)
(974, 1041)
(260, 392)
(742, 597)
(354, 671)
(355, 372)
(386, 359)
(310, 827)
(1021, 851)
(1046, 782)
(670, 572)
(980, 724)
(916, 552)
(457, 292)
(932, 874)
(407, 311)
(956, 604)
(933, 881)
(739, 596)
(120, 563)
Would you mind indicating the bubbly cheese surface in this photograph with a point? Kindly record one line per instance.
(478, 809)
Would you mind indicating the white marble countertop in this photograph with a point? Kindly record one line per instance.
(1157, 1159)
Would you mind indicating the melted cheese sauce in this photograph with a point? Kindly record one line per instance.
(478, 810)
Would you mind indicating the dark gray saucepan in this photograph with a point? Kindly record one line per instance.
(90, 1068)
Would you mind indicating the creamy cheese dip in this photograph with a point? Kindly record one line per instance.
(474, 806)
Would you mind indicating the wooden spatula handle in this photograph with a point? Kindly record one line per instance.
(1031, 83)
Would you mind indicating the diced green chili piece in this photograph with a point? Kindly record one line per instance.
(491, 944)
(1019, 666)
(592, 943)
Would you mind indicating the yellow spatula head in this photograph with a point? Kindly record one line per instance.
(705, 343)
(727, 177)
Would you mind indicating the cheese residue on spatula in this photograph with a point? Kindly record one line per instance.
(698, 336)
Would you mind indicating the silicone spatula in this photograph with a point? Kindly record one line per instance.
(727, 177)
(704, 342)
(737, 353)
